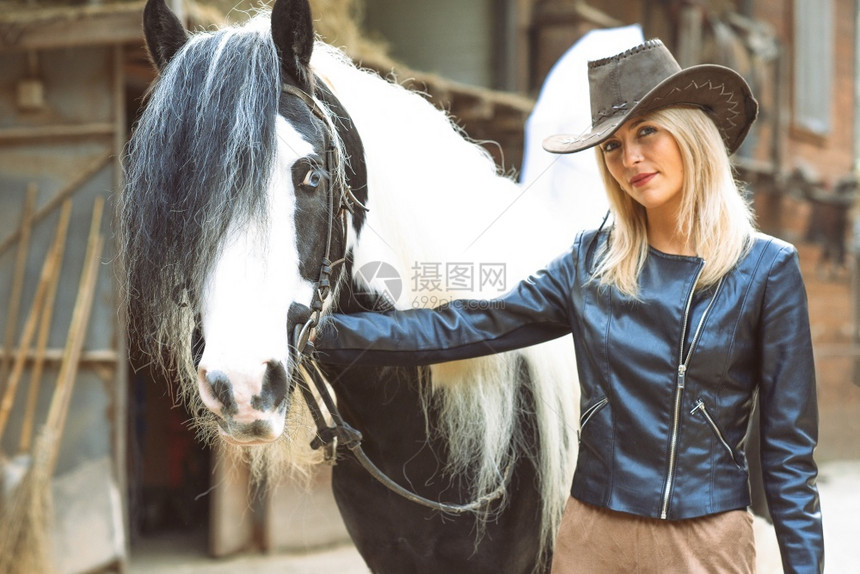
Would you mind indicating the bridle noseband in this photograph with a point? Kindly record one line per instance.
(328, 437)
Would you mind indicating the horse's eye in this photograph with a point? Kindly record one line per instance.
(313, 179)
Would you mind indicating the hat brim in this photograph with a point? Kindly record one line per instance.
(721, 92)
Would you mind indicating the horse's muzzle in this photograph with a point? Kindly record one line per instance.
(246, 416)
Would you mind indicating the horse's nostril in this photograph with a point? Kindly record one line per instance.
(274, 389)
(222, 389)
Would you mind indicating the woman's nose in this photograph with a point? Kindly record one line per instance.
(632, 155)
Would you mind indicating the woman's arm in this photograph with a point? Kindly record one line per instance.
(789, 417)
(534, 311)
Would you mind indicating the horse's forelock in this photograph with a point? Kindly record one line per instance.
(200, 158)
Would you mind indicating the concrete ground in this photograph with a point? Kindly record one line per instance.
(840, 503)
(840, 500)
(166, 558)
(839, 485)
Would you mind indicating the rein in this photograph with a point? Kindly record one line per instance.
(312, 378)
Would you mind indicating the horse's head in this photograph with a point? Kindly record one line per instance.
(255, 195)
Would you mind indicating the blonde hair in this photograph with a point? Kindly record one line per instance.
(714, 216)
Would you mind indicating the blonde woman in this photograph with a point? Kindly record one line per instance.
(682, 317)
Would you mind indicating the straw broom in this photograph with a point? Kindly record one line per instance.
(25, 545)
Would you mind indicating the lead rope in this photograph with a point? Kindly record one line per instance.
(341, 433)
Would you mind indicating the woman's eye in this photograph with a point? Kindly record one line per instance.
(646, 130)
(610, 146)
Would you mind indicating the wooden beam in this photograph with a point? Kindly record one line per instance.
(17, 134)
(563, 12)
(60, 27)
(596, 16)
(101, 356)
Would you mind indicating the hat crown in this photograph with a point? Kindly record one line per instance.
(647, 78)
(618, 83)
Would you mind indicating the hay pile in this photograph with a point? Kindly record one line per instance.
(338, 22)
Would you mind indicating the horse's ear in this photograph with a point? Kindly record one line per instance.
(164, 33)
(293, 34)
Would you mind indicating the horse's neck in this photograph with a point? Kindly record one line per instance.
(434, 197)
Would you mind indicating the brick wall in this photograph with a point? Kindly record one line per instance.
(831, 295)
(831, 313)
(832, 156)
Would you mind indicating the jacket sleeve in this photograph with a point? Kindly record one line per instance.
(789, 417)
(534, 311)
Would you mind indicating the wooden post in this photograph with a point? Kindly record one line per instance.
(18, 280)
(59, 407)
(690, 35)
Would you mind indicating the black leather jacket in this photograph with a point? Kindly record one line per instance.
(668, 381)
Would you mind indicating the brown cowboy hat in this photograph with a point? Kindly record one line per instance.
(646, 78)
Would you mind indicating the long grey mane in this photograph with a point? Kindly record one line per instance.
(200, 157)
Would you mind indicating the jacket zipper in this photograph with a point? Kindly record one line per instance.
(683, 364)
(700, 406)
(589, 412)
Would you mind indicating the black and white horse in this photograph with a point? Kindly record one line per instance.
(253, 141)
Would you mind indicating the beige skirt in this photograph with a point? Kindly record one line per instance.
(593, 540)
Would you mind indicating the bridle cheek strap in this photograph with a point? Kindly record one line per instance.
(346, 203)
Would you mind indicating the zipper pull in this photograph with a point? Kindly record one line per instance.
(682, 373)
(699, 406)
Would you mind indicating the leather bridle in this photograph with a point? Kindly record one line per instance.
(346, 203)
(340, 202)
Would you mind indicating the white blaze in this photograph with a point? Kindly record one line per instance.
(251, 287)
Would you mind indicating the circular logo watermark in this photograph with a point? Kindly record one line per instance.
(385, 286)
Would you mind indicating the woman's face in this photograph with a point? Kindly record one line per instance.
(646, 162)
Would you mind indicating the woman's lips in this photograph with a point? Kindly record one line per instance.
(642, 179)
